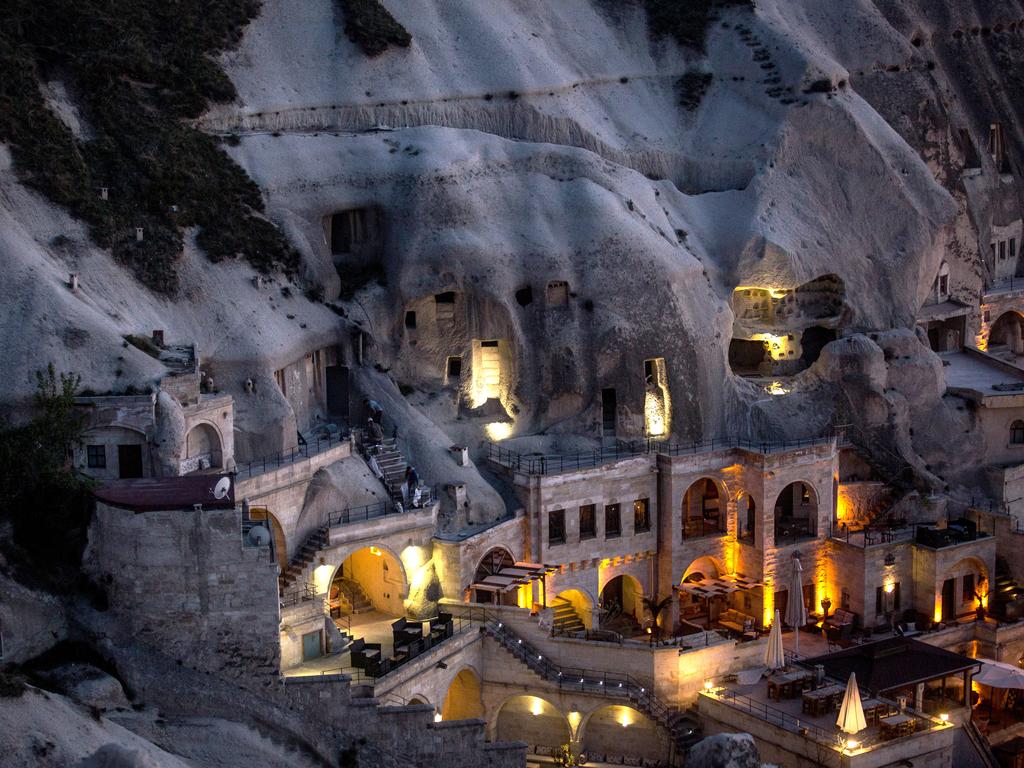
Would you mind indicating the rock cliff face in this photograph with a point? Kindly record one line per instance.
(534, 220)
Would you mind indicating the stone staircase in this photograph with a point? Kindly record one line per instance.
(566, 621)
(393, 464)
(681, 724)
(294, 573)
(355, 597)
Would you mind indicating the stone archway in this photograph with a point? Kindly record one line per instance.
(622, 605)
(277, 531)
(369, 584)
(963, 587)
(1007, 332)
(534, 720)
(704, 509)
(202, 448)
(796, 513)
(573, 612)
(616, 731)
(491, 563)
(464, 699)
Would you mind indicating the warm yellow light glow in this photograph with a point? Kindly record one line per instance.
(375, 551)
(944, 717)
(657, 401)
(776, 388)
(413, 557)
(536, 706)
(778, 293)
(778, 346)
(575, 718)
(708, 685)
(852, 745)
(938, 610)
(889, 588)
(437, 717)
(768, 608)
(322, 578)
(625, 717)
(498, 430)
(654, 415)
(524, 597)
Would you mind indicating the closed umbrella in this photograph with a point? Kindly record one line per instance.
(999, 674)
(774, 656)
(851, 713)
(796, 611)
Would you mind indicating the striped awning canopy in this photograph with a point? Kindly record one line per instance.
(719, 587)
(512, 576)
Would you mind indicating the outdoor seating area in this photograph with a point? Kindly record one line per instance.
(735, 621)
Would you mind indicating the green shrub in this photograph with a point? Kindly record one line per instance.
(371, 26)
(139, 70)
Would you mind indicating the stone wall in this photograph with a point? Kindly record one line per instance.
(457, 559)
(184, 583)
(113, 421)
(298, 620)
(30, 622)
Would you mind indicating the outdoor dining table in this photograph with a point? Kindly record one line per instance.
(896, 725)
(874, 709)
(787, 685)
(822, 700)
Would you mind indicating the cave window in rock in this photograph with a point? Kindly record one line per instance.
(281, 380)
(750, 357)
(796, 513)
(657, 402)
(970, 153)
(489, 370)
(524, 296)
(813, 341)
(609, 410)
(444, 309)
(1017, 433)
(703, 510)
(996, 146)
(453, 369)
(558, 293)
(410, 320)
(1006, 337)
(348, 229)
(942, 283)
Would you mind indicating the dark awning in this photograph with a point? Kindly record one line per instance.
(893, 663)
(150, 494)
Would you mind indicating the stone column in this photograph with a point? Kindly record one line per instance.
(919, 697)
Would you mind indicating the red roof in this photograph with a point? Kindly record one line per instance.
(149, 494)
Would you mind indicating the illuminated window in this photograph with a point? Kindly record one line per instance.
(641, 515)
(612, 521)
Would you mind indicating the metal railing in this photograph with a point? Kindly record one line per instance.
(551, 464)
(300, 594)
(696, 527)
(312, 447)
(366, 512)
(789, 529)
(772, 715)
(613, 684)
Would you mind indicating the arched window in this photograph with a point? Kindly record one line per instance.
(1017, 433)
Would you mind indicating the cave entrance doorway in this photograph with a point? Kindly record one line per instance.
(338, 392)
(813, 341)
(609, 407)
(348, 228)
(129, 461)
(749, 357)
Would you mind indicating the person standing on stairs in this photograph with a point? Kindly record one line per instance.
(374, 433)
(412, 481)
(376, 411)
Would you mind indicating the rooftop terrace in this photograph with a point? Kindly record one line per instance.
(976, 372)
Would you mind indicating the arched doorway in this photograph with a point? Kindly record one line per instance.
(1006, 335)
(491, 563)
(796, 513)
(534, 720)
(202, 448)
(369, 588)
(280, 543)
(573, 612)
(704, 509)
(616, 731)
(622, 605)
(464, 699)
(697, 612)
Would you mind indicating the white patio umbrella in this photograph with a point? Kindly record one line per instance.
(999, 674)
(796, 611)
(851, 713)
(774, 656)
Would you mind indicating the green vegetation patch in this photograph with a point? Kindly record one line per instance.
(138, 70)
(371, 26)
(687, 20)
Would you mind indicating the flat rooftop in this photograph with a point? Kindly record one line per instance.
(970, 370)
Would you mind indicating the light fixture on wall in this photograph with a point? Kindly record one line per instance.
(375, 551)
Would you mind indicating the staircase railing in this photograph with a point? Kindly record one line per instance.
(612, 684)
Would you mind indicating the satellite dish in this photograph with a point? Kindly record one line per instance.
(220, 490)
(258, 536)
